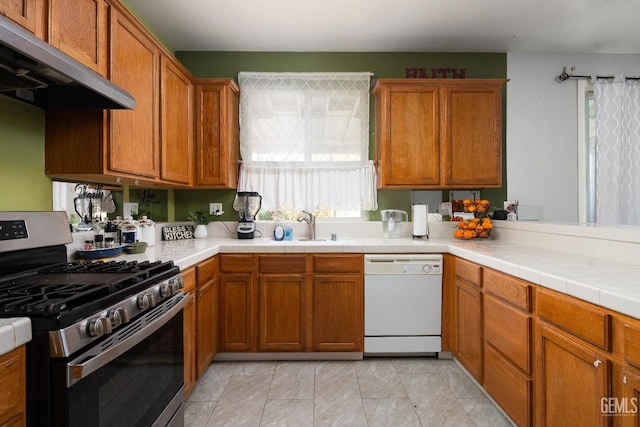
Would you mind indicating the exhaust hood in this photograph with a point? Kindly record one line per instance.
(36, 72)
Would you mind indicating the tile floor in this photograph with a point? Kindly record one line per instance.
(371, 392)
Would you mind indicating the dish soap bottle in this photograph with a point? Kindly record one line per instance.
(288, 232)
(278, 232)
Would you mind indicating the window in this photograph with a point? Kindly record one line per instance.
(610, 151)
(304, 142)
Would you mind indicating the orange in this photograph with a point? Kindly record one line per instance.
(461, 224)
(467, 201)
(470, 208)
(485, 202)
(487, 225)
(468, 234)
(458, 234)
(472, 225)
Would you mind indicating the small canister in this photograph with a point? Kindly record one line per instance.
(147, 231)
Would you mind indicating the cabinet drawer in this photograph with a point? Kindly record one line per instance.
(508, 330)
(514, 291)
(189, 279)
(207, 269)
(469, 271)
(581, 319)
(237, 263)
(283, 263)
(632, 344)
(337, 263)
(508, 386)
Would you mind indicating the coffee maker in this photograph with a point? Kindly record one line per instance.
(247, 204)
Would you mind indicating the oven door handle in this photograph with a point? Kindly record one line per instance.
(89, 362)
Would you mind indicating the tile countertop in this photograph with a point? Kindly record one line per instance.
(14, 332)
(611, 284)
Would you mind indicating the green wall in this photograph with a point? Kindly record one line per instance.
(382, 64)
(23, 184)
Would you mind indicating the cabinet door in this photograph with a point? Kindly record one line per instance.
(338, 313)
(468, 327)
(190, 329)
(133, 134)
(408, 148)
(13, 388)
(206, 324)
(472, 135)
(571, 381)
(238, 312)
(176, 112)
(79, 29)
(629, 400)
(190, 345)
(216, 153)
(282, 312)
(29, 14)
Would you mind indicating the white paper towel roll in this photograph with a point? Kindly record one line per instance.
(419, 218)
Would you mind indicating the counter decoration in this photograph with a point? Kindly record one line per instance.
(478, 226)
(200, 219)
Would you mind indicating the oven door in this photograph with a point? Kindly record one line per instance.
(138, 380)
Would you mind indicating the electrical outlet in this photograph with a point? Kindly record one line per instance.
(215, 208)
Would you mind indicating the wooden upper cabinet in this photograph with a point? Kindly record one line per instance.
(30, 14)
(133, 134)
(216, 148)
(407, 128)
(176, 118)
(472, 134)
(439, 133)
(79, 29)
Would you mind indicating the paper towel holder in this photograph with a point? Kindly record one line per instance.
(419, 219)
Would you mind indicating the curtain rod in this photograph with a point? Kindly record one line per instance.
(566, 76)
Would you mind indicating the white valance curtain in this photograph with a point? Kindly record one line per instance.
(304, 140)
(617, 169)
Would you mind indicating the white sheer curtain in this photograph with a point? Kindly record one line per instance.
(617, 170)
(304, 140)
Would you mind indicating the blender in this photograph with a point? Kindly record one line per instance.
(247, 204)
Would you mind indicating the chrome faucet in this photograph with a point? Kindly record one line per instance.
(311, 222)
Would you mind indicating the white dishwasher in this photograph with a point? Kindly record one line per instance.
(402, 304)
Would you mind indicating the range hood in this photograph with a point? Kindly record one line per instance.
(36, 72)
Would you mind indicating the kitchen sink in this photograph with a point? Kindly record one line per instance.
(312, 242)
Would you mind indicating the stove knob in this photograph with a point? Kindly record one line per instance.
(99, 327)
(145, 301)
(119, 316)
(165, 290)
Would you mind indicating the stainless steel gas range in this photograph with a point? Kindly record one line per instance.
(107, 346)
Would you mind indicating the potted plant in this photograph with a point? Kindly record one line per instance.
(200, 219)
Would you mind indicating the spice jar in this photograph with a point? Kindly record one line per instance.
(88, 245)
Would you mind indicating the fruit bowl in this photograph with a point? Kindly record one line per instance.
(474, 228)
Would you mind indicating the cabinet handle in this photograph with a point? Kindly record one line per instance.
(625, 380)
(597, 363)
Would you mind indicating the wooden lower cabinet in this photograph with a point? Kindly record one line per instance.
(626, 404)
(238, 312)
(509, 387)
(468, 327)
(206, 313)
(278, 303)
(282, 317)
(190, 324)
(13, 388)
(508, 337)
(338, 313)
(571, 381)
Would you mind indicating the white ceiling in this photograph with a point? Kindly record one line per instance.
(576, 26)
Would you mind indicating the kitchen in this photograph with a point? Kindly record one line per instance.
(32, 189)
